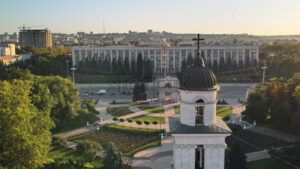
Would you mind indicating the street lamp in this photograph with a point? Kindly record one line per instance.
(67, 62)
(264, 72)
(73, 70)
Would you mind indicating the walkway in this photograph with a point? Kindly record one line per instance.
(155, 158)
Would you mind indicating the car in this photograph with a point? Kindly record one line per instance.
(101, 92)
(85, 94)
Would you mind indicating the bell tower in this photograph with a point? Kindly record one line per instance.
(199, 139)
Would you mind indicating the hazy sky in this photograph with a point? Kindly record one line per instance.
(260, 17)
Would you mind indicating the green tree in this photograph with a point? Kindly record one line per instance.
(113, 157)
(237, 159)
(88, 148)
(257, 108)
(24, 130)
(59, 141)
(140, 67)
(139, 92)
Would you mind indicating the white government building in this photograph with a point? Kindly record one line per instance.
(238, 53)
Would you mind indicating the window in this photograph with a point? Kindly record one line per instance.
(199, 157)
(199, 115)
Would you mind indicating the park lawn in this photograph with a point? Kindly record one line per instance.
(177, 109)
(150, 118)
(129, 140)
(78, 121)
(224, 111)
(66, 154)
(118, 111)
(269, 163)
(152, 109)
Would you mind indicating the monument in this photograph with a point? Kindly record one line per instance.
(199, 138)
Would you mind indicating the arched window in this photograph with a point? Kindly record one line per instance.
(200, 101)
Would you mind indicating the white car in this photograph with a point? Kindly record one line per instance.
(101, 92)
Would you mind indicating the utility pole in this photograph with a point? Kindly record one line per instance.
(67, 62)
(264, 72)
(73, 70)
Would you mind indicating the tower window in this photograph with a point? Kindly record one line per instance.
(199, 156)
(199, 115)
(200, 101)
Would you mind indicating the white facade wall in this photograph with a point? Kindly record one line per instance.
(188, 104)
(213, 54)
(184, 146)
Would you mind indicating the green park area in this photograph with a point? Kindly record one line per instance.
(153, 109)
(150, 119)
(128, 140)
(224, 111)
(118, 111)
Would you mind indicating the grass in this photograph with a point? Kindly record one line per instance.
(150, 118)
(269, 163)
(224, 111)
(177, 109)
(152, 109)
(63, 155)
(129, 140)
(118, 111)
(78, 121)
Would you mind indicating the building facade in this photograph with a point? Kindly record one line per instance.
(39, 38)
(171, 57)
(8, 50)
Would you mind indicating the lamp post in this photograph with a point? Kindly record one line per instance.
(73, 70)
(67, 62)
(264, 72)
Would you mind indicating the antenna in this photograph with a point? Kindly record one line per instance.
(103, 27)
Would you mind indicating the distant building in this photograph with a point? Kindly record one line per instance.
(8, 54)
(39, 38)
(239, 54)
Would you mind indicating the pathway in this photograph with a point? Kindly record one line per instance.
(155, 158)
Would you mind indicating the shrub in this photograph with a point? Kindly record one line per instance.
(155, 122)
(115, 119)
(226, 118)
(121, 120)
(88, 148)
(59, 141)
(139, 122)
(130, 120)
(147, 122)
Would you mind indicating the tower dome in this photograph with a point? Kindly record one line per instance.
(198, 77)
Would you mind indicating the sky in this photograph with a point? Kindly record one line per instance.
(257, 17)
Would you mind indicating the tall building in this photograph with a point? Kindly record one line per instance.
(39, 38)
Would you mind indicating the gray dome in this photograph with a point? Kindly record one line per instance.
(198, 77)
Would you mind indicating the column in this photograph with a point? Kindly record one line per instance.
(208, 158)
(256, 54)
(193, 53)
(73, 58)
(250, 56)
(143, 53)
(161, 60)
(180, 55)
(186, 54)
(218, 57)
(136, 54)
(155, 57)
(244, 57)
(174, 57)
(211, 57)
(124, 55)
(237, 55)
(129, 55)
(224, 55)
(117, 54)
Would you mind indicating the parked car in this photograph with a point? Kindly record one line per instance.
(101, 92)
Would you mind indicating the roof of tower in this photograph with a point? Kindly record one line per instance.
(219, 127)
(198, 77)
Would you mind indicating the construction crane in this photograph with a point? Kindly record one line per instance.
(24, 27)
